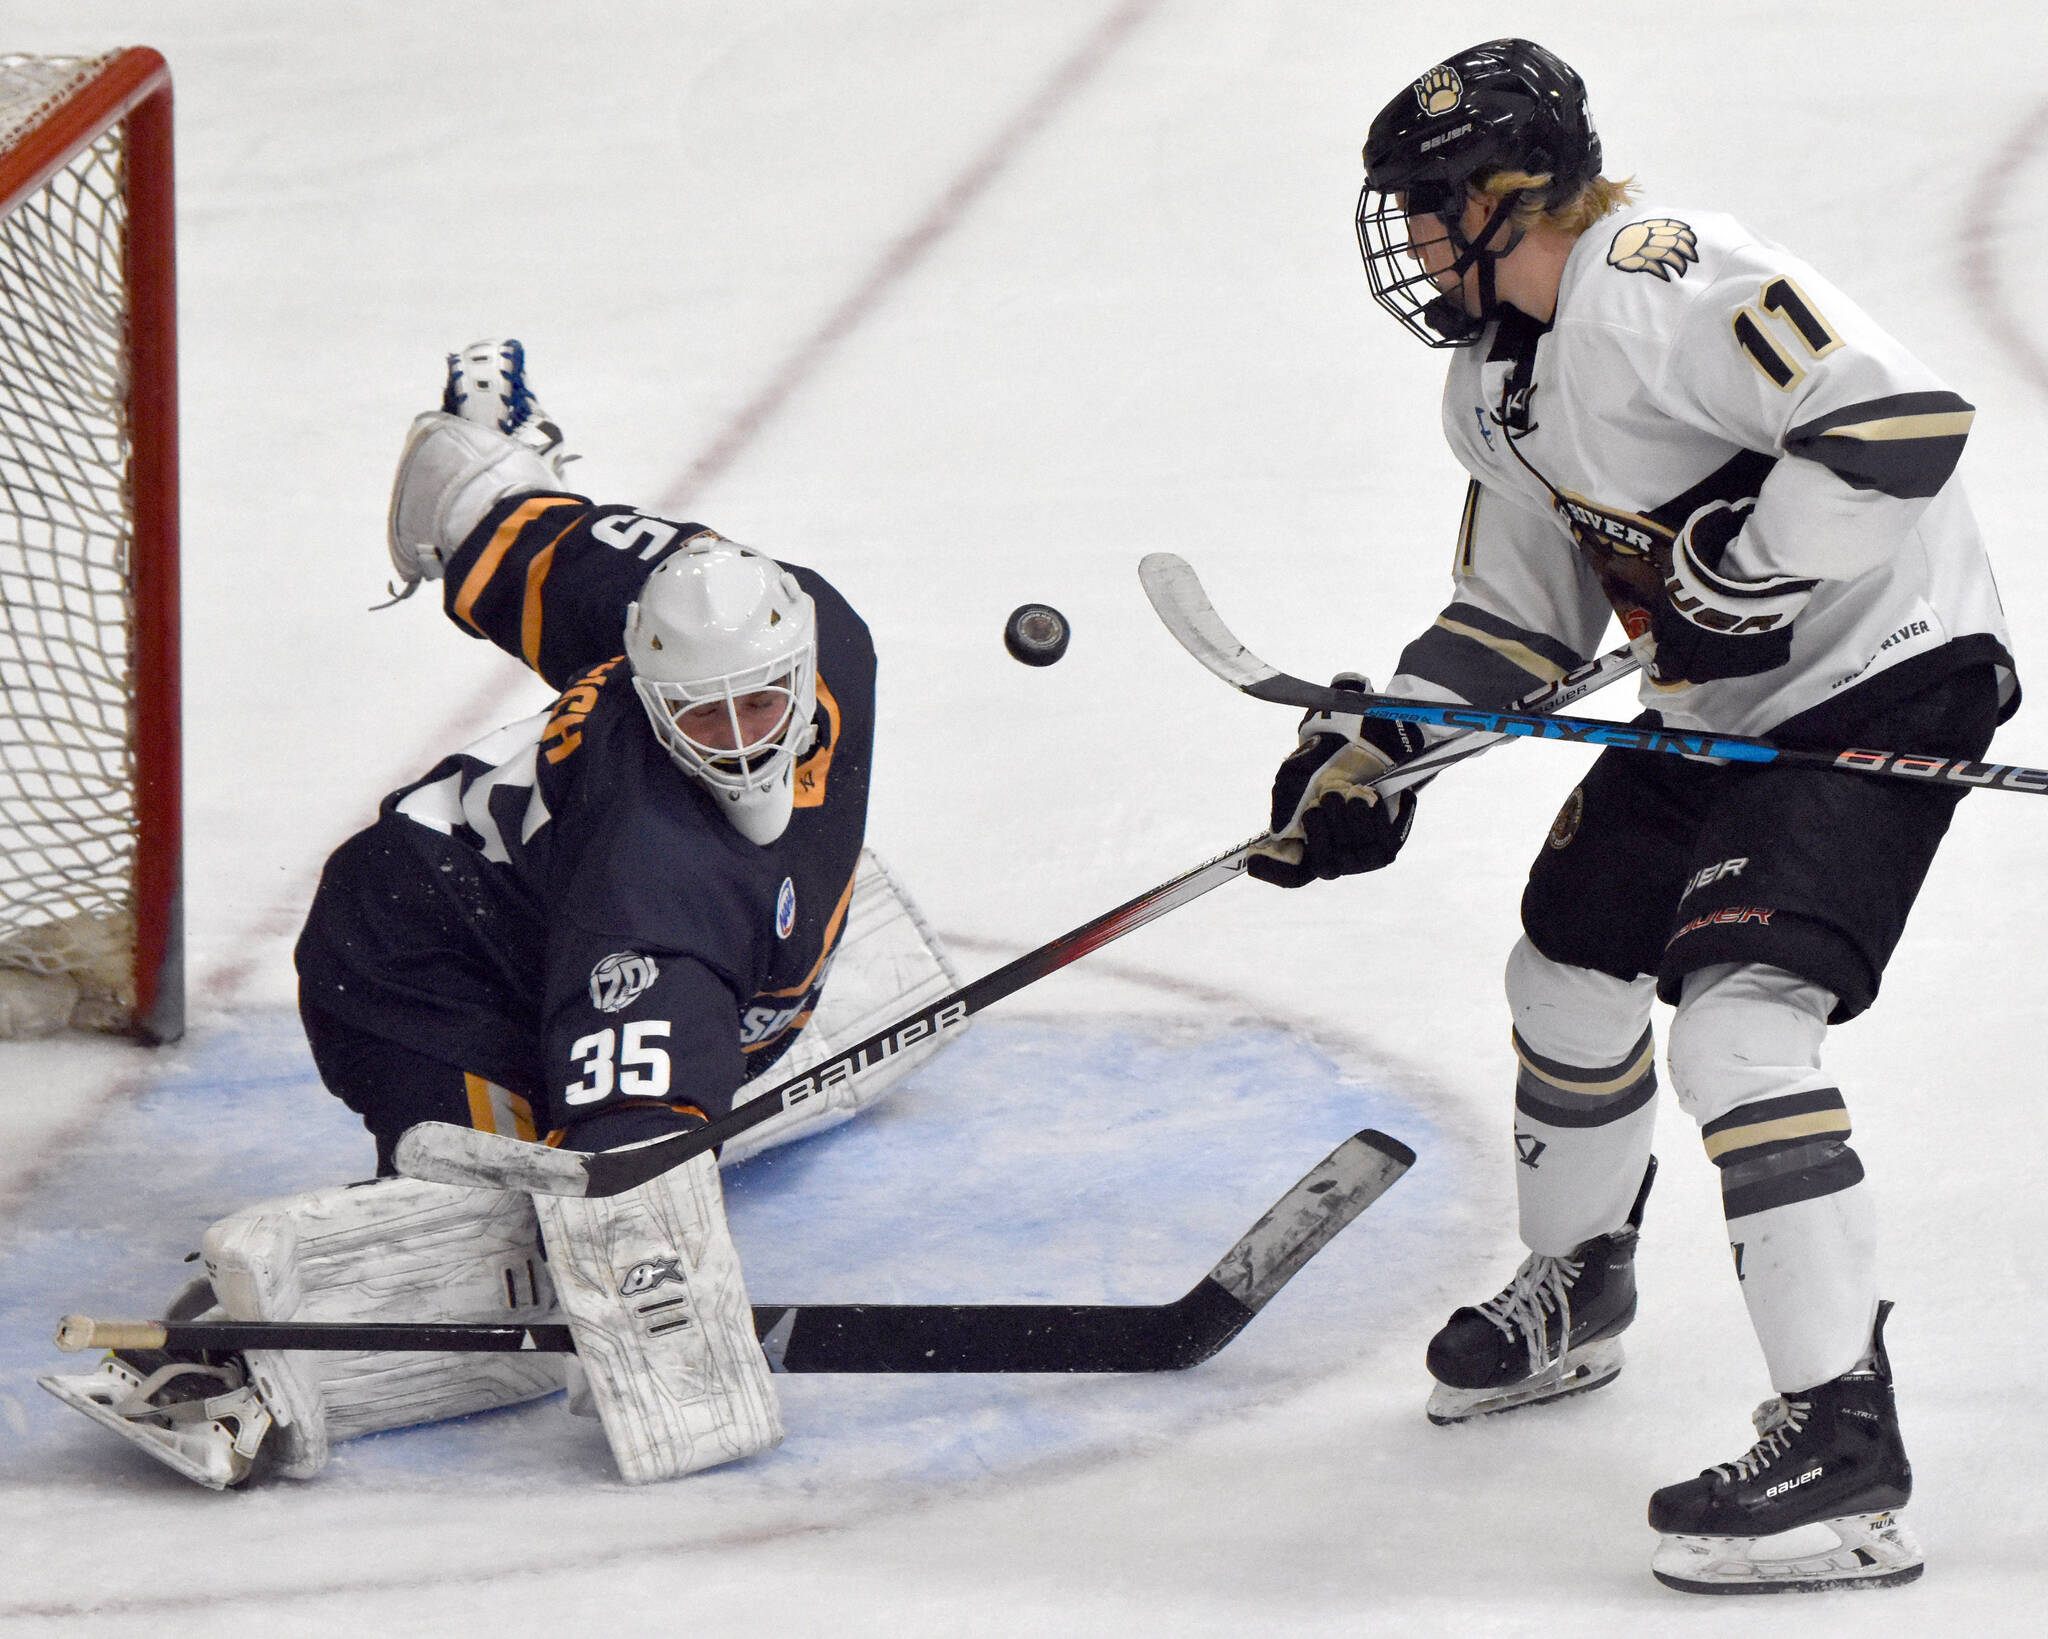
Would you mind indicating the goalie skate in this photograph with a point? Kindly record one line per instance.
(206, 1422)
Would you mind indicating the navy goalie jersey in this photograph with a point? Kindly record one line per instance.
(558, 908)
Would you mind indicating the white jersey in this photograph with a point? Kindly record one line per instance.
(1693, 368)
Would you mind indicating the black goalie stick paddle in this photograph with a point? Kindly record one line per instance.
(913, 1337)
(443, 1153)
(1177, 595)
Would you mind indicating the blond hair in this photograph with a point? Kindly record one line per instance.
(1595, 200)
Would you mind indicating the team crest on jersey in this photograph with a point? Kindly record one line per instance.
(620, 977)
(1661, 246)
(785, 909)
(1603, 530)
(1440, 90)
(1566, 826)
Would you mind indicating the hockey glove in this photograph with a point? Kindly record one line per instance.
(1328, 821)
(1708, 624)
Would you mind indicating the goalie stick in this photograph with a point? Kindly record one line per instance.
(444, 1153)
(1176, 594)
(913, 1337)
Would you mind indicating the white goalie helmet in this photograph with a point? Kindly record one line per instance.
(721, 635)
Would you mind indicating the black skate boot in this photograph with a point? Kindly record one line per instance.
(1554, 1330)
(1813, 1504)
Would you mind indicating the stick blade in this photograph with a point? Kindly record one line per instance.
(1308, 1217)
(443, 1153)
(1176, 595)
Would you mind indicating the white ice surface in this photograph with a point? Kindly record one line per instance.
(969, 305)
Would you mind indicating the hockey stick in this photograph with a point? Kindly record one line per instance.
(905, 1337)
(1177, 595)
(443, 1153)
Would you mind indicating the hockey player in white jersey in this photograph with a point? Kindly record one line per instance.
(1670, 420)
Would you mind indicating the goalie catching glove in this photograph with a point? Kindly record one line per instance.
(1328, 821)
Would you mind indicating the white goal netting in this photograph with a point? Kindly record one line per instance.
(67, 811)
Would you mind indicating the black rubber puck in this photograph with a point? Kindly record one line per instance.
(1036, 634)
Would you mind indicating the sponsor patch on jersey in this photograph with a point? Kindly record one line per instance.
(1662, 245)
(1566, 826)
(785, 909)
(620, 977)
(1439, 91)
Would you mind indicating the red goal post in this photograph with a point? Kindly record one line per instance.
(91, 930)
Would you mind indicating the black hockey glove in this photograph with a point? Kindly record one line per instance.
(1327, 819)
(1709, 625)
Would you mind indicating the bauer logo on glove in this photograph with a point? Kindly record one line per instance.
(1328, 820)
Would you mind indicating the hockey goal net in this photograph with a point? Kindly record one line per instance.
(90, 932)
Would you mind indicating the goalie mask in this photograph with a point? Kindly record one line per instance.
(724, 649)
(1507, 105)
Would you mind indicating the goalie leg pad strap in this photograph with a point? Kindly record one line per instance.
(650, 1283)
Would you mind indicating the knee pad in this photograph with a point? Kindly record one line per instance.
(1744, 1033)
(1577, 1015)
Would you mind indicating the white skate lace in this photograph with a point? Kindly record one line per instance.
(1777, 1421)
(1542, 1285)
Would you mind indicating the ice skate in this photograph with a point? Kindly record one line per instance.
(205, 1418)
(1813, 1504)
(1554, 1330)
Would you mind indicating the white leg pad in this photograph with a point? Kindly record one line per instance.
(1577, 1176)
(889, 963)
(397, 1249)
(1809, 1279)
(650, 1283)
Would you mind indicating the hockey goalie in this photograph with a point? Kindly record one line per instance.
(595, 927)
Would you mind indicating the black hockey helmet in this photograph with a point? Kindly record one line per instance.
(1506, 105)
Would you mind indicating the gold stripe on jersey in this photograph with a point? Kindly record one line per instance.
(492, 1109)
(488, 562)
(825, 945)
(1461, 565)
(1939, 424)
(529, 613)
(1548, 671)
(1905, 445)
(811, 773)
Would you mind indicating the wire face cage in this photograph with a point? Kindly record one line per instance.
(90, 925)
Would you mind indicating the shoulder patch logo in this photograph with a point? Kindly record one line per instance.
(1563, 830)
(1440, 90)
(785, 909)
(1661, 246)
(620, 977)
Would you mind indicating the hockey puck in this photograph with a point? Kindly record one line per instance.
(1036, 634)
